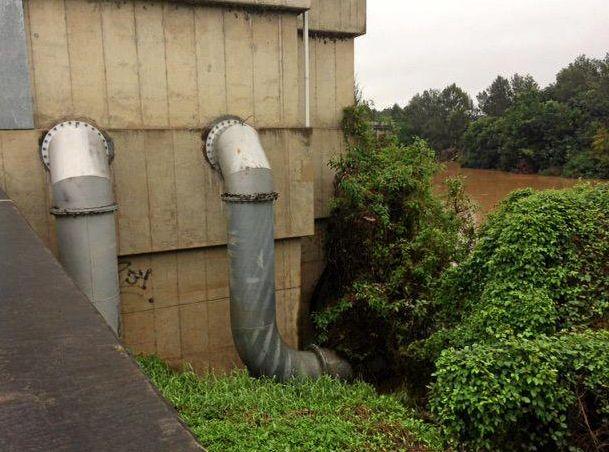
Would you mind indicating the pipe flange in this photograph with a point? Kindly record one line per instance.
(65, 212)
(331, 364)
(46, 142)
(215, 131)
(318, 351)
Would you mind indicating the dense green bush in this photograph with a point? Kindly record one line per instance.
(519, 365)
(388, 240)
(514, 328)
(546, 393)
(540, 265)
(239, 413)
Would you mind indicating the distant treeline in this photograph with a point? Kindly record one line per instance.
(562, 129)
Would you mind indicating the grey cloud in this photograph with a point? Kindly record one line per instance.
(413, 45)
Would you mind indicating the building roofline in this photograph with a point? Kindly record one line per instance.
(288, 5)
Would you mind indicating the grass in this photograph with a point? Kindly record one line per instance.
(238, 413)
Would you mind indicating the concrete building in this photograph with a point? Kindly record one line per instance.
(153, 75)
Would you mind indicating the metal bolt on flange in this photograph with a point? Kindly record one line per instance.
(214, 132)
(46, 142)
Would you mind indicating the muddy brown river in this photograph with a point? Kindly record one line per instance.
(488, 187)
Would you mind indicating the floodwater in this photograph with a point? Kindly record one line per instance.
(489, 187)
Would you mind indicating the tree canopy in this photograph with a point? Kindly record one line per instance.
(439, 116)
(562, 129)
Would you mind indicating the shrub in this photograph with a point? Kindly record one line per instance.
(389, 238)
(544, 393)
(518, 363)
(515, 329)
(540, 266)
(237, 413)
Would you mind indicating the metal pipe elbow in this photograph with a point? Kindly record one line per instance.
(78, 157)
(234, 149)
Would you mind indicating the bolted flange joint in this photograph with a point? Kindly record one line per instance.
(48, 138)
(215, 130)
(332, 364)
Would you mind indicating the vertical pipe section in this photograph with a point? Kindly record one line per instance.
(307, 70)
(78, 157)
(234, 149)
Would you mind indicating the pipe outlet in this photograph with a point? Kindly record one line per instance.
(234, 149)
(78, 157)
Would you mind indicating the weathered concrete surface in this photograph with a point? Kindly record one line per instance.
(153, 74)
(169, 197)
(176, 305)
(338, 17)
(326, 144)
(151, 65)
(65, 381)
(16, 111)
(290, 5)
(332, 83)
(23, 177)
(143, 65)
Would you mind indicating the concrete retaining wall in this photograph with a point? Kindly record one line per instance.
(153, 74)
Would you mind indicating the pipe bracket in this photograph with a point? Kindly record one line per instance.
(258, 197)
(61, 212)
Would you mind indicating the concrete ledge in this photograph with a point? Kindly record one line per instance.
(340, 18)
(291, 5)
(65, 381)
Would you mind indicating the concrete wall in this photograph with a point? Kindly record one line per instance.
(153, 74)
(338, 17)
(181, 312)
(296, 5)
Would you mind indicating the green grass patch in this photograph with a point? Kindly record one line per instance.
(237, 412)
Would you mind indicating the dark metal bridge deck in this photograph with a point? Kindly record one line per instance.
(65, 381)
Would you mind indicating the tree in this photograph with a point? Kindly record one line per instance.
(523, 85)
(396, 116)
(440, 117)
(458, 110)
(497, 98)
(581, 76)
(482, 143)
(534, 135)
(558, 130)
(389, 236)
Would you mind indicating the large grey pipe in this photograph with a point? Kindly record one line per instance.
(234, 149)
(78, 157)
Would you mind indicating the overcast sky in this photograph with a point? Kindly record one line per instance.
(413, 45)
